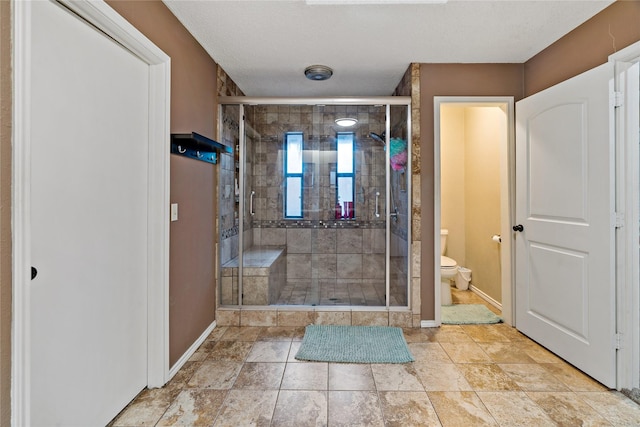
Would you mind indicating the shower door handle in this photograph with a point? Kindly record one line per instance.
(377, 204)
(251, 212)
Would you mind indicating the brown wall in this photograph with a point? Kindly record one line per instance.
(588, 46)
(5, 213)
(193, 109)
(451, 80)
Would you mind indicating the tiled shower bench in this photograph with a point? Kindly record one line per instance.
(264, 272)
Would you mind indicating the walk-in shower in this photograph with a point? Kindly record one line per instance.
(311, 212)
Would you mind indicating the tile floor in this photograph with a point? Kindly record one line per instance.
(472, 375)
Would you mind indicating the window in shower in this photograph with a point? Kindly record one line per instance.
(293, 167)
(346, 173)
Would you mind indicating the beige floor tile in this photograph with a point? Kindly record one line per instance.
(306, 376)
(429, 352)
(201, 353)
(487, 377)
(533, 377)
(468, 297)
(237, 333)
(260, 376)
(179, 380)
(442, 377)
(354, 408)
(229, 350)
(194, 407)
(298, 408)
(217, 333)
(618, 409)
(145, 410)
(484, 333)
(399, 377)
(450, 333)
(465, 352)
(572, 377)
(269, 351)
(566, 409)
(247, 408)
(407, 408)
(418, 335)
(215, 374)
(345, 376)
(540, 387)
(460, 408)
(514, 409)
(505, 352)
(276, 333)
(295, 346)
(510, 332)
(537, 352)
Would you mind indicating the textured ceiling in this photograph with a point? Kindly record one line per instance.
(266, 45)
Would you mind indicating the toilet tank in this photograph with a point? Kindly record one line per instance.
(443, 240)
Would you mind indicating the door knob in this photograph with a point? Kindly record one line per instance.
(518, 227)
(34, 273)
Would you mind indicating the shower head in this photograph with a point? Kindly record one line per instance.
(379, 138)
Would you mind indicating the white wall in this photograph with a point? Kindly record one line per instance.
(452, 178)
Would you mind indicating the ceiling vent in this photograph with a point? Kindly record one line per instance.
(318, 72)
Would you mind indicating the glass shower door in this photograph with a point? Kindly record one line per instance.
(314, 213)
(399, 156)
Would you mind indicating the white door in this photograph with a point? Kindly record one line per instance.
(565, 286)
(89, 154)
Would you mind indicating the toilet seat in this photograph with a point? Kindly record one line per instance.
(448, 270)
(447, 263)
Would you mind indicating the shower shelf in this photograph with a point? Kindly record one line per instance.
(197, 147)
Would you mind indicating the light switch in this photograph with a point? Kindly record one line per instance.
(174, 211)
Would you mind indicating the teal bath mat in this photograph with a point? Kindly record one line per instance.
(354, 344)
(468, 314)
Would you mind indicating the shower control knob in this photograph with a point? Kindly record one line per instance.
(518, 227)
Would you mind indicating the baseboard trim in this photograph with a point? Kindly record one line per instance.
(485, 297)
(428, 324)
(187, 355)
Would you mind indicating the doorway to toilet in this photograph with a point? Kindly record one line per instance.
(473, 151)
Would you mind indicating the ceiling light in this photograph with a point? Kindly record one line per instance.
(318, 72)
(346, 121)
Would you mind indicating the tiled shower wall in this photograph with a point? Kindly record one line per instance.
(271, 123)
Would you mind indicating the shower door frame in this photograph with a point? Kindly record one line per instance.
(387, 101)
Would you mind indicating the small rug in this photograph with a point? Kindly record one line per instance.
(354, 344)
(468, 314)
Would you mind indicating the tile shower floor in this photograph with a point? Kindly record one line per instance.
(463, 376)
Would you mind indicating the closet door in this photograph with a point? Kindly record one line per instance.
(89, 154)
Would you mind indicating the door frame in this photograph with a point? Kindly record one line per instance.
(105, 19)
(626, 127)
(507, 197)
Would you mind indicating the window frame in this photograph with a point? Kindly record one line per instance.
(299, 175)
(351, 174)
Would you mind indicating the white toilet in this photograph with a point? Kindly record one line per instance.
(448, 270)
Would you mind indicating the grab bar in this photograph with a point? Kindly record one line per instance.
(377, 204)
(253, 193)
